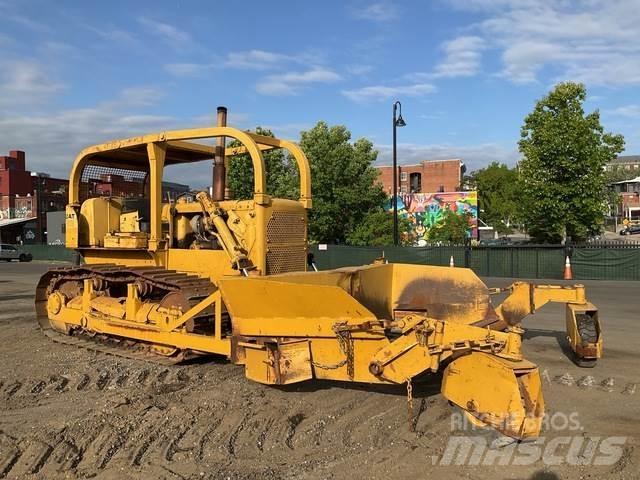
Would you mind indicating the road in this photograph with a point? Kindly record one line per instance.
(67, 412)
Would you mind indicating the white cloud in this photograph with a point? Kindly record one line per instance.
(377, 12)
(462, 57)
(256, 60)
(627, 111)
(9, 14)
(175, 37)
(112, 34)
(474, 156)
(247, 60)
(288, 130)
(359, 69)
(188, 69)
(140, 96)
(592, 41)
(291, 83)
(383, 92)
(52, 140)
(25, 83)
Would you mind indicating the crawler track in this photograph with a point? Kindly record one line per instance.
(157, 284)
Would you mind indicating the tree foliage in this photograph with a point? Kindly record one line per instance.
(376, 230)
(343, 180)
(498, 195)
(453, 228)
(562, 173)
(281, 173)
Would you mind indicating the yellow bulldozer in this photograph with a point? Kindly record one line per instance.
(203, 275)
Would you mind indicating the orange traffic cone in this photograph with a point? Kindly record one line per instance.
(567, 270)
(451, 262)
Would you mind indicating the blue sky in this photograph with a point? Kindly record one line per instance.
(467, 72)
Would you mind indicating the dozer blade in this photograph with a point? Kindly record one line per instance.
(498, 393)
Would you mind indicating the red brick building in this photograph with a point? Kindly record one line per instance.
(26, 195)
(14, 179)
(30, 195)
(629, 192)
(428, 176)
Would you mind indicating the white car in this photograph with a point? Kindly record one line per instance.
(12, 252)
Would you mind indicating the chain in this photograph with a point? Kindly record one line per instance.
(346, 347)
(410, 404)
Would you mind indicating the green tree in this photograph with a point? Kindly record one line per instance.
(376, 230)
(343, 180)
(498, 195)
(281, 172)
(562, 176)
(453, 228)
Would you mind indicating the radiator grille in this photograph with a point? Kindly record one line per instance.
(286, 242)
(286, 227)
(286, 258)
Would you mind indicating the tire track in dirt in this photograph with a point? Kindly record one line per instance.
(99, 379)
(147, 416)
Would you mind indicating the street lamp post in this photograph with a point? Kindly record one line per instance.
(397, 122)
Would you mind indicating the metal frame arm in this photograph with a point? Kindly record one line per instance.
(526, 298)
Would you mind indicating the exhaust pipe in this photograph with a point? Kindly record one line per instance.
(219, 169)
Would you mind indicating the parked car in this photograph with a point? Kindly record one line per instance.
(630, 230)
(496, 242)
(13, 252)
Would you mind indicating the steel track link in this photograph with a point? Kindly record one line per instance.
(194, 289)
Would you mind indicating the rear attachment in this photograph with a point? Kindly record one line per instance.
(584, 333)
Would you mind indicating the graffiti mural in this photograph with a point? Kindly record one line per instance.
(24, 207)
(425, 210)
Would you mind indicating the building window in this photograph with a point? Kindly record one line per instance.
(403, 176)
(415, 182)
(403, 189)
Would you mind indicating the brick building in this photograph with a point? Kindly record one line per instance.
(428, 176)
(14, 179)
(25, 197)
(629, 194)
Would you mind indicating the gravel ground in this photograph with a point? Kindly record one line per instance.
(71, 413)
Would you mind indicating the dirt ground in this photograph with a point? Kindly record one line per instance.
(67, 412)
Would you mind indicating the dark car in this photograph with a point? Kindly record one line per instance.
(630, 230)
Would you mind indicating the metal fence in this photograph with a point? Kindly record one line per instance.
(600, 260)
(597, 260)
(49, 252)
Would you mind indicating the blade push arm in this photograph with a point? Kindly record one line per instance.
(582, 323)
(217, 225)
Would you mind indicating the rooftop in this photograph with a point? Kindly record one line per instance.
(627, 159)
(423, 161)
(633, 180)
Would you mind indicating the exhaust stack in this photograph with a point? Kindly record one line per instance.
(219, 169)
